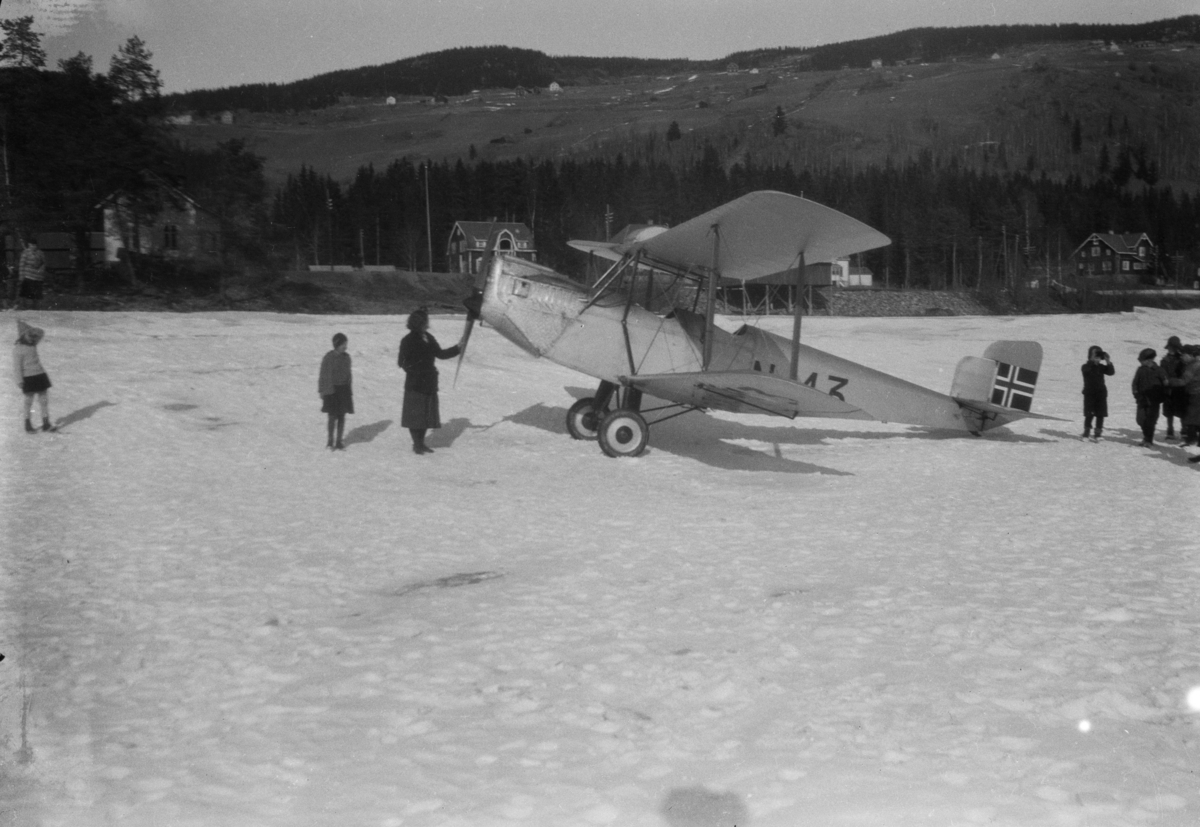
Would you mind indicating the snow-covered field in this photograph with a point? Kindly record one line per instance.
(209, 619)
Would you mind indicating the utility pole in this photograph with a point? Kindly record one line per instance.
(329, 209)
(428, 222)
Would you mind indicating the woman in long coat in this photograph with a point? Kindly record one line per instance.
(418, 350)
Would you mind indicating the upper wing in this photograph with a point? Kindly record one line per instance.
(761, 235)
(603, 249)
(744, 392)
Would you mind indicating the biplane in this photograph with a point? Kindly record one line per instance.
(682, 358)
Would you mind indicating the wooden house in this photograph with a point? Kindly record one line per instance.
(172, 226)
(1117, 256)
(472, 241)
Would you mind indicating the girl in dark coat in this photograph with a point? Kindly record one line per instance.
(418, 350)
(337, 398)
(1149, 389)
(1095, 394)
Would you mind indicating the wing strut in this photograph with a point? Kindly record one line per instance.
(798, 301)
(710, 311)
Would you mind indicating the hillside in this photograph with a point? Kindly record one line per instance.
(1059, 108)
(459, 71)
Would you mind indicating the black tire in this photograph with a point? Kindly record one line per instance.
(583, 421)
(623, 433)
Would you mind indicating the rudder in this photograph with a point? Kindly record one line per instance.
(1004, 377)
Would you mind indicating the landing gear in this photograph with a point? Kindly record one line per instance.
(623, 433)
(583, 419)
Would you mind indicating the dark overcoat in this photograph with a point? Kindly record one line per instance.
(417, 354)
(1095, 392)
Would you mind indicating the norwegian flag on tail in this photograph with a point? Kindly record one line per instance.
(1013, 386)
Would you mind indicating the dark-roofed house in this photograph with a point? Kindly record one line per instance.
(472, 241)
(1127, 256)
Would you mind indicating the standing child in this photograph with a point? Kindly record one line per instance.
(1149, 389)
(1095, 393)
(334, 387)
(31, 376)
(1175, 402)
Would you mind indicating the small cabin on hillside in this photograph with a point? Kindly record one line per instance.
(173, 227)
(473, 241)
(1123, 256)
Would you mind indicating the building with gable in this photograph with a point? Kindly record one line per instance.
(1118, 256)
(471, 242)
(172, 225)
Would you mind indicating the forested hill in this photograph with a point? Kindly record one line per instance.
(930, 45)
(458, 71)
(449, 72)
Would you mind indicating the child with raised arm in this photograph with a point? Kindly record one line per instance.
(31, 376)
(1095, 393)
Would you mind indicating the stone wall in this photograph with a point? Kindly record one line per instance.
(903, 303)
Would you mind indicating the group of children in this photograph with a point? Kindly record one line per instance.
(1170, 388)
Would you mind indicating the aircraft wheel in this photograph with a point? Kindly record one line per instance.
(623, 433)
(583, 420)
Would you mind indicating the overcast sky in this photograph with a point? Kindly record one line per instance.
(201, 44)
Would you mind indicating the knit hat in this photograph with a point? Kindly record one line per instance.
(1147, 353)
(1174, 342)
(29, 333)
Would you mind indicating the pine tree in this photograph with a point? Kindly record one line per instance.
(673, 133)
(22, 46)
(132, 73)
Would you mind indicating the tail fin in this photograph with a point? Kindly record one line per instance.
(998, 387)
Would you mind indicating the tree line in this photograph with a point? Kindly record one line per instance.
(951, 226)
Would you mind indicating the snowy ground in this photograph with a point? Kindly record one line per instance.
(208, 619)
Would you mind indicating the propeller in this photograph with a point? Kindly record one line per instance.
(474, 303)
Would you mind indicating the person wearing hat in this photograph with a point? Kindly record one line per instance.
(418, 350)
(334, 386)
(31, 274)
(31, 376)
(1175, 400)
(1149, 387)
(1189, 423)
(1095, 393)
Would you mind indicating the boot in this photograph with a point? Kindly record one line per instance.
(46, 426)
(29, 429)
